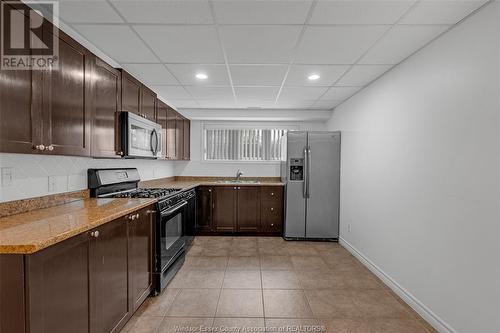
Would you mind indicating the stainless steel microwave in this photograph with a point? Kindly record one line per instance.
(140, 137)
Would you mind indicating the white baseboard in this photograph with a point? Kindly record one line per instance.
(434, 320)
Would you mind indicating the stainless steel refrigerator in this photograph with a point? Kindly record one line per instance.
(311, 172)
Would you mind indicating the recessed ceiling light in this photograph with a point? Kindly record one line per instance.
(313, 77)
(201, 76)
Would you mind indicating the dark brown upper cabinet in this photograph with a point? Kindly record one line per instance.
(137, 98)
(106, 104)
(187, 140)
(67, 100)
(148, 103)
(131, 93)
(172, 152)
(161, 118)
(179, 136)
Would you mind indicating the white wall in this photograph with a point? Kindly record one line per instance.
(198, 167)
(31, 173)
(420, 175)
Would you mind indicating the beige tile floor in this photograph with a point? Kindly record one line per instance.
(259, 284)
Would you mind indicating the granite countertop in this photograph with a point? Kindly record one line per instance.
(186, 183)
(33, 231)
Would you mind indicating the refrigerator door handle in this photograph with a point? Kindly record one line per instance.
(306, 174)
(309, 161)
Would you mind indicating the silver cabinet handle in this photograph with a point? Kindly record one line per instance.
(234, 187)
(239, 188)
(95, 234)
(131, 217)
(40, 147)
(137, 215)
(272, 224)
(49, 148)
(209, 190)
(272, 209)
(272, 194)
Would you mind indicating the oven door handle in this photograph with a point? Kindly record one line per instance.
(174, 209)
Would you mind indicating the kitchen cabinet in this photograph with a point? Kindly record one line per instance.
(131, 93)
(108, 276)
(161, 118)
(92, 282)
(240, 209)
(172, 137)
(225, 208)
(137, 98)
(106, 104)
(67, 100)
(204, 209)
(140, 256)
(248, 208)
(148, 103)
(20, 109)
(186, 144)
(271, 214)
(57, 288)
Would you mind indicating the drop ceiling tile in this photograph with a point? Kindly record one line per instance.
(217, 104)
(337, 44)
(170, 12)
(184, 103)
(257, 75)
(295, 104)
(401, 42)
(211, 93)
(255, 103)
(359, 12)
(339, 93)
(441, 12)
(186, 73)
(259, 44)
(88, 12)
(261, 12)
(256, 93)
(183, 44)
(117, 41)
(301, 93)
(171, 92)
(329, 74)
(326, 104)
(361, 75)
(151, 73)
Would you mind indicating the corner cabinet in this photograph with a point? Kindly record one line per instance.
(92, 282)
(240, 210)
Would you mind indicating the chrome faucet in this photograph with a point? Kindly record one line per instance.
(239, 173)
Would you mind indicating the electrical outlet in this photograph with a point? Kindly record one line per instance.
(52, 183)
(349, 227)
(7, 177)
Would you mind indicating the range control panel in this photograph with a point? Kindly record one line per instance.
(296, 169)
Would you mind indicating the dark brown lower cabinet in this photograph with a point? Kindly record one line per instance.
(239, 209)
(57, 288)
(248, 208)
(140, 257)
(204, 209)
(225, 208)
(92, 282)
(108, 276)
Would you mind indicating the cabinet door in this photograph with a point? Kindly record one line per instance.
(187, 140)
(20, 109)
(106, 103)
(161, 118)
(248, 208)
(148, 103)
(66, 100)
(204, 205)
(57, 288)
(172, 152)
(179, 136)
(140, 256)
(108, 275)
(131, 93)
(224, 214)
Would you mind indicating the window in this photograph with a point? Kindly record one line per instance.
(243, 144)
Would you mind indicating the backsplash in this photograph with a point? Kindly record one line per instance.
(36, 175)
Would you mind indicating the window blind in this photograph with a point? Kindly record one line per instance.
(243, 144)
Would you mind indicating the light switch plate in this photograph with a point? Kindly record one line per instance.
(7, 177)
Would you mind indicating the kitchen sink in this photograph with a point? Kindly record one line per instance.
(238, 182)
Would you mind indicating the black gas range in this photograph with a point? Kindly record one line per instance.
(175, 218)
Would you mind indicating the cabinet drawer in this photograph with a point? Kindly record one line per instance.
(272, 193)
(271, 209)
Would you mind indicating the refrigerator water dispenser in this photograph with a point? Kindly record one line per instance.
(297, 169)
